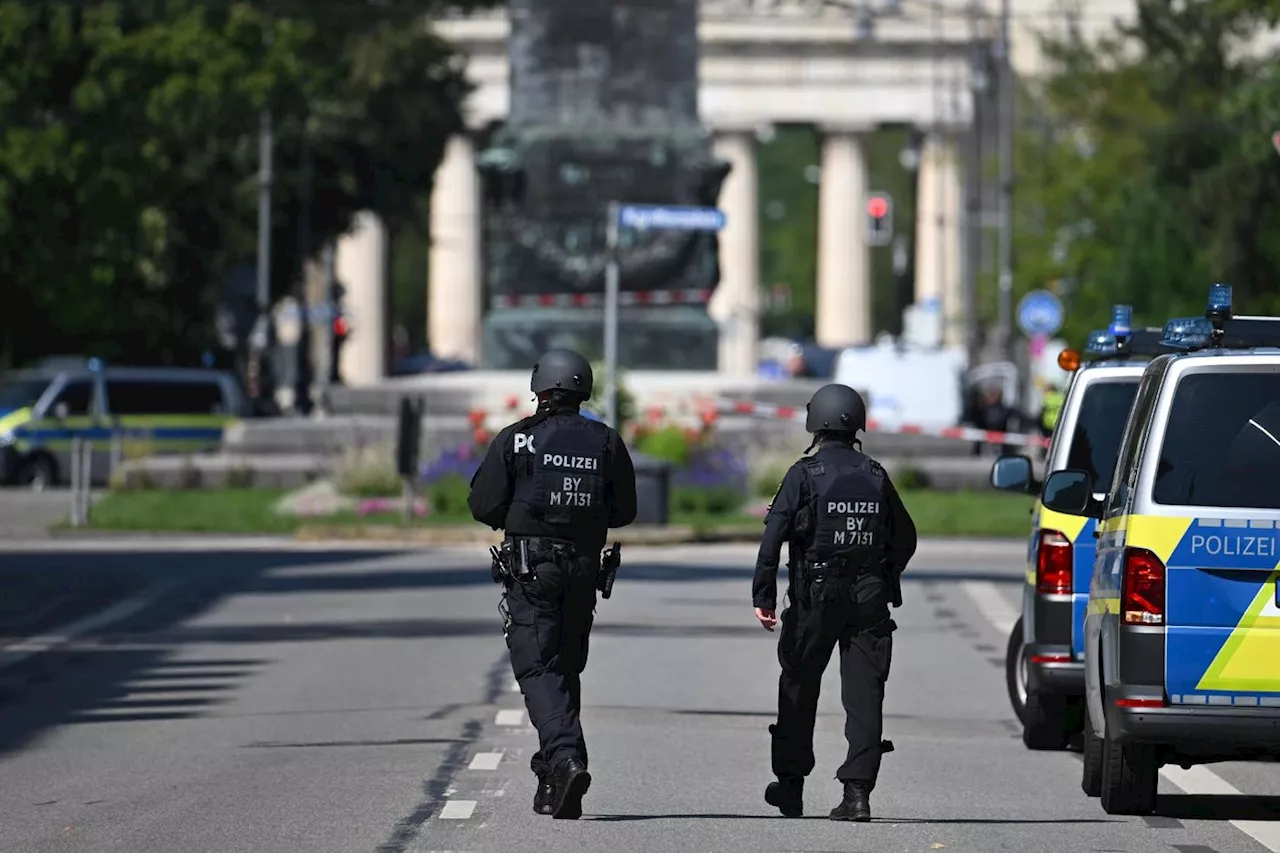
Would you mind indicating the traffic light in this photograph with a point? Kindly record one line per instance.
(879, 219)
(340, 331)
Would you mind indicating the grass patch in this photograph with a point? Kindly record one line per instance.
(993, 513)
(192, 511)
(252, 511)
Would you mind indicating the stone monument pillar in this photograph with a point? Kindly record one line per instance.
(604, 107)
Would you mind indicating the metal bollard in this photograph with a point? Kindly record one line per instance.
(86, 480)
(75, 481)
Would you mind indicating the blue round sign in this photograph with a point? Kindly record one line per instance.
(1040, 313)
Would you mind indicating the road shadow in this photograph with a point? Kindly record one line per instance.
(1218, 807)
(130, 670)
(883, 820)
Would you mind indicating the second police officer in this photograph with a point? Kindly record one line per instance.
(555, 482)
(849, 538)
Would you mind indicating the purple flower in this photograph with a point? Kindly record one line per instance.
(461, 461)
(714, 468)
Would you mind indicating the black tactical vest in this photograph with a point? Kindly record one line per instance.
(562, 480)
(849, 511)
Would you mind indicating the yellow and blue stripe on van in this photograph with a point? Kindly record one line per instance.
(1079, 530)
(1222, 605)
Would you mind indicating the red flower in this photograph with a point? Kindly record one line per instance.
(481, 436)
(477, 418)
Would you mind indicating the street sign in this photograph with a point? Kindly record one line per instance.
(1040, 313)
(670, 218)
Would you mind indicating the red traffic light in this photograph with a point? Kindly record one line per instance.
(878, 206)
(340, 327)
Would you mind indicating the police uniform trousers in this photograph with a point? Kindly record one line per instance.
(550, 619)
(852, 613)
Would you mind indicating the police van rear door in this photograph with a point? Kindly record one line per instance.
(1215, 505)
(1096, 425)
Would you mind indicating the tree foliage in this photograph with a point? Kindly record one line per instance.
(129, 154)
(1146, 169)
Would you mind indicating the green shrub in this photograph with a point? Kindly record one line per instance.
(369, 472)
(669, 443)
(697, 501)
(626, 400)
(907, 478)
(241, 477)
(767, 479)
(448, 495)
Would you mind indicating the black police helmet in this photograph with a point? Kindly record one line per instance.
(836, 408)
(564, 370)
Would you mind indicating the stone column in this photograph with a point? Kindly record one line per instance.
(939, 211)
(737, 306)
(843, 304)
(453, 297)
(360, 264)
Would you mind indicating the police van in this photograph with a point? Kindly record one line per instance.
(1044, 662)
(119, 410)
(1182, 633)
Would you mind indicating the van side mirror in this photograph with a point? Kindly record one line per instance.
(61, 411)
(1069, 492)
(1013, 474)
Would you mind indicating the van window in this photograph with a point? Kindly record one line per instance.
(77, 396)
(163, 397)
(20, 393)
(1095, 441)
(1222, 442)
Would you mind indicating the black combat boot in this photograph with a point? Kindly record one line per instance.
(544, 795)
(571, 781)
(786, 795)
(856, 805)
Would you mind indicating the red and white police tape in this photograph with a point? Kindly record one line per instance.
(791, 413)
(626, 298)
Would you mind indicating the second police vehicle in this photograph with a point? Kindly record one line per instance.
(1182, 634)
(1045, 659)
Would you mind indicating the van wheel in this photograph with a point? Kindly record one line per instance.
(1015, 673)
(1045, 725)
(39, 473)
(1091, 776)
(1129, 777)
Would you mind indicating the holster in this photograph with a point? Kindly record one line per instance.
(610, 560)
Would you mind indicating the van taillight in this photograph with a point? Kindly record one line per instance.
(1053, 563)
(1142, 588)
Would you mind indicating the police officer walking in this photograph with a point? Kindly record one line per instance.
(849, 538)
(555, 482)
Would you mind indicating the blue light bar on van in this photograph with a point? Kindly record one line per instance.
(1101, 342)
(1219, 301)
(1187, 333)
(1121, 318)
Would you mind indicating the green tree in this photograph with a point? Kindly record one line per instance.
(1146, 170)
(128, 154)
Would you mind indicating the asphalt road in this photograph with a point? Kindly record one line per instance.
(262, 700)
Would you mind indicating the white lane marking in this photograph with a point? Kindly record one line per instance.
(457, 809)
(486, 761)
(993, 605)
(15, 653)
(509, 718)
(1201, 780)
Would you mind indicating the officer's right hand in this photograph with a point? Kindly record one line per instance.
(768, 618)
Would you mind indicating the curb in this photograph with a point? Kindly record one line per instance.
(477, 535)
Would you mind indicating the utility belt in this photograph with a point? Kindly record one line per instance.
(515, 560)
(820, 580)
(837, 568)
